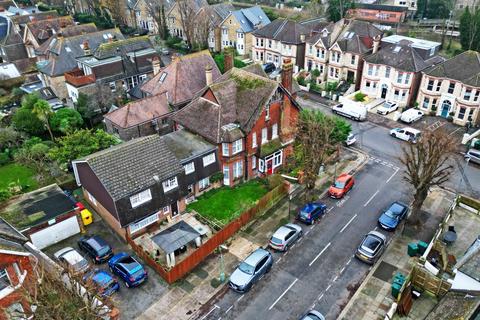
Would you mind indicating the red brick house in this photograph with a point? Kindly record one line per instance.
(249, 117)
(378, 13)
(15, 269)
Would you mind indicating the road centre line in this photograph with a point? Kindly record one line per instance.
(396, 170)
(320, 297)
(215, 307)
(350, 221)
(328, 288)
(336, 278)
(230, 308)
(240, 298)
(371, 198)
(284, 292)
(343, 269)
(318, 255)
(348, 262)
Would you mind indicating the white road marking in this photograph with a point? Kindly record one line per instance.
(349, 221)
(396, 170)
(318, 255)
(313, 306)
(307, 232)
(279, 259)
(230, 308)
(284, 292)
(320, 297)
(240, 298)
(376, 228)
(348, 262)
(343, 269)
(329, 209)
(377, 160)
(371, 198)
(336, 278)
(215, 307)
(328, 288)
(220, 318)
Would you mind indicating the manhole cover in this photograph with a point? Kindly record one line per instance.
(385, 271)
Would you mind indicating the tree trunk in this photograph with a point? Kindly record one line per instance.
(50, 131)
(419, 198)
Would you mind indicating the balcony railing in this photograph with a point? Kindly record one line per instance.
(77, 78)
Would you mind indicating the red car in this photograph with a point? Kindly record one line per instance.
(342, 185)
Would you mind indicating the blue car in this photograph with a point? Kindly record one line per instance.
(104, 281)
(311, 212)
(392, 216)
(127, 268)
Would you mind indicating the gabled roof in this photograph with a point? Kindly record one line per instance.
(121, 47)
(357, 37)
(68, 31)
(238, 99)
(139, 111)
(42, 30)
(26, 18)
(287, 31)
(402, 57)
(251, 18)
(11, 41)
(327, 33)
(134, 166)
(10, 238)
(464, 67)
(62, 51)
(218, 12)
(183, 77)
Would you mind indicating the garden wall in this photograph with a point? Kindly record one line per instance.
(189, 263)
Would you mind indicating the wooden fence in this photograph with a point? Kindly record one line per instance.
(185, 266)
(423, 279)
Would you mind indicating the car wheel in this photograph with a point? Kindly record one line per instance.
(127, 285)
(286, 248)
(394, 135)
(268, 269)
(312, 222)
(300, 234)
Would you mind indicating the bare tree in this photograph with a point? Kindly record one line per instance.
(204, 25)
(188, 15)
(116, 10)
(426, 165)
(156, 9)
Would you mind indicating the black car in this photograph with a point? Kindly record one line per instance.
(269, 67)
(97, 248)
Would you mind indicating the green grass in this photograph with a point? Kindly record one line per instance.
(224, 204)
(17, 173)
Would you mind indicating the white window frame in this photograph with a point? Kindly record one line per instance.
(261, 165)
(209, 159)
(254, 140)
(170, 184)
(264, 135)
(166, 209)
(4, 274)
(189, 167)
(254, 162)
(135, 227)
(237, 146)
(140, 198)
(274, 131)
(92, 198)
(225, 149)
(204, 183)
(277, 159)
(237, 169)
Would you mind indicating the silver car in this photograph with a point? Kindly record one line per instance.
(371, 247)
(473, 156)
(285, 236)
(251, 270)
(351, 139)
(71, 260)
(312, 315)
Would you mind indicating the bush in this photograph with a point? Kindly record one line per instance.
(216, 177)
(274, 181)
(4, 158)
(360, 97)
(4, 195)
(172, 40)
(315, 73)
(301, 81)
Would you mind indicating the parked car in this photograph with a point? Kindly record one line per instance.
(391, 217)
(407, 134)
(103, 281)
(127, 268)
(97, 248)
(164, 51)
(350, 111)
(343, 184)
(311, 212)
(71, 260)
(268, 67)
(351, 139)
(276, 73)
(473, 155)
(387, 107)
(285, 236)
(411, 115)
(312, 315)
(371, 247)
(258, 263)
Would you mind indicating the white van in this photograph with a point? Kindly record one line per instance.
(350, 111)
(411, 115)
(407, 134)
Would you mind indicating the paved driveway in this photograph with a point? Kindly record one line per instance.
(131, 302)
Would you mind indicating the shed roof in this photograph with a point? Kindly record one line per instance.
(175, 237)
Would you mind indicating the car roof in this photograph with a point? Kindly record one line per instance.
(256, 256)
(412, 130)
(101, 276)
(397, 205)
(343, 177)
(96, 242)
(309, 207)
(377, 234)
(71, 256)
(282, 232)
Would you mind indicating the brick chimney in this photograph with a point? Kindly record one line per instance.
(287, 74)
(376, 43)
(86, 47)
(156, 65)
(208, 74)
(228, 61)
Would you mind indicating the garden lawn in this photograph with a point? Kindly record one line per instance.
(17, 173)
(224, 204)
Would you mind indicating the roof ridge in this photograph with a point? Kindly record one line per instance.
(280, 29)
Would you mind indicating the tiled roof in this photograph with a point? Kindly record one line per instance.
(139, 111)
(183, 77)
(69, 31)
(26, 18)
(464, 67)
(42, 30)
(283, 30)
(358, 36)
(186, 145)
(11, 41)
(383, 7)
(62, 51)
(402, 57)
(121, 47)
(134, 166)
(11, 238)
(239, 98)
(327, 34)
(251, 18)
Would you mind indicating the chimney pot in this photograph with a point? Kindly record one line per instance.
(302, 38)
(156, 65)
(376, 43)
(287, 74)
(208, 74)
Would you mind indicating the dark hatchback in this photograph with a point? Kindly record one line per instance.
(96, 248)
(127, 268)
(103, 281)
(311, 212)
(392, 216)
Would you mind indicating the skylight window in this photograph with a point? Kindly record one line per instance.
(68, 49)
(397, 49)
(162, 77)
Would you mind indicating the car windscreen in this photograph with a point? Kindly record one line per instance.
(81, 264)
(246, 268)
(311, 317)
(276, 240)
(304, 214)
(130, 264)
(370, 244)
(103, 251)
(339, 184)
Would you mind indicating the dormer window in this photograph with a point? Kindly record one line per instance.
(169, 184)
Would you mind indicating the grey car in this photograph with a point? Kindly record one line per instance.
(71, 260)
(371, 247)
(285, 236)
(312, 315)
(473, 156)
(251, 270)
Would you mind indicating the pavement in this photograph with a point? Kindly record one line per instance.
(373, 298)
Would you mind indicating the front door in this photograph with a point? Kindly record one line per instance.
(174, 209)
(350, 76)
(269, 166)
(445, 108)
(384, 92)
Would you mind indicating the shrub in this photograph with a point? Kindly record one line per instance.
(301, 81)
(216, 177)
(274, 181)
(4, 158)
(315, 73)
(360, 97)
(434, 108)
(4, 195)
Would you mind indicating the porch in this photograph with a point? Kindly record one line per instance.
(271, 157)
